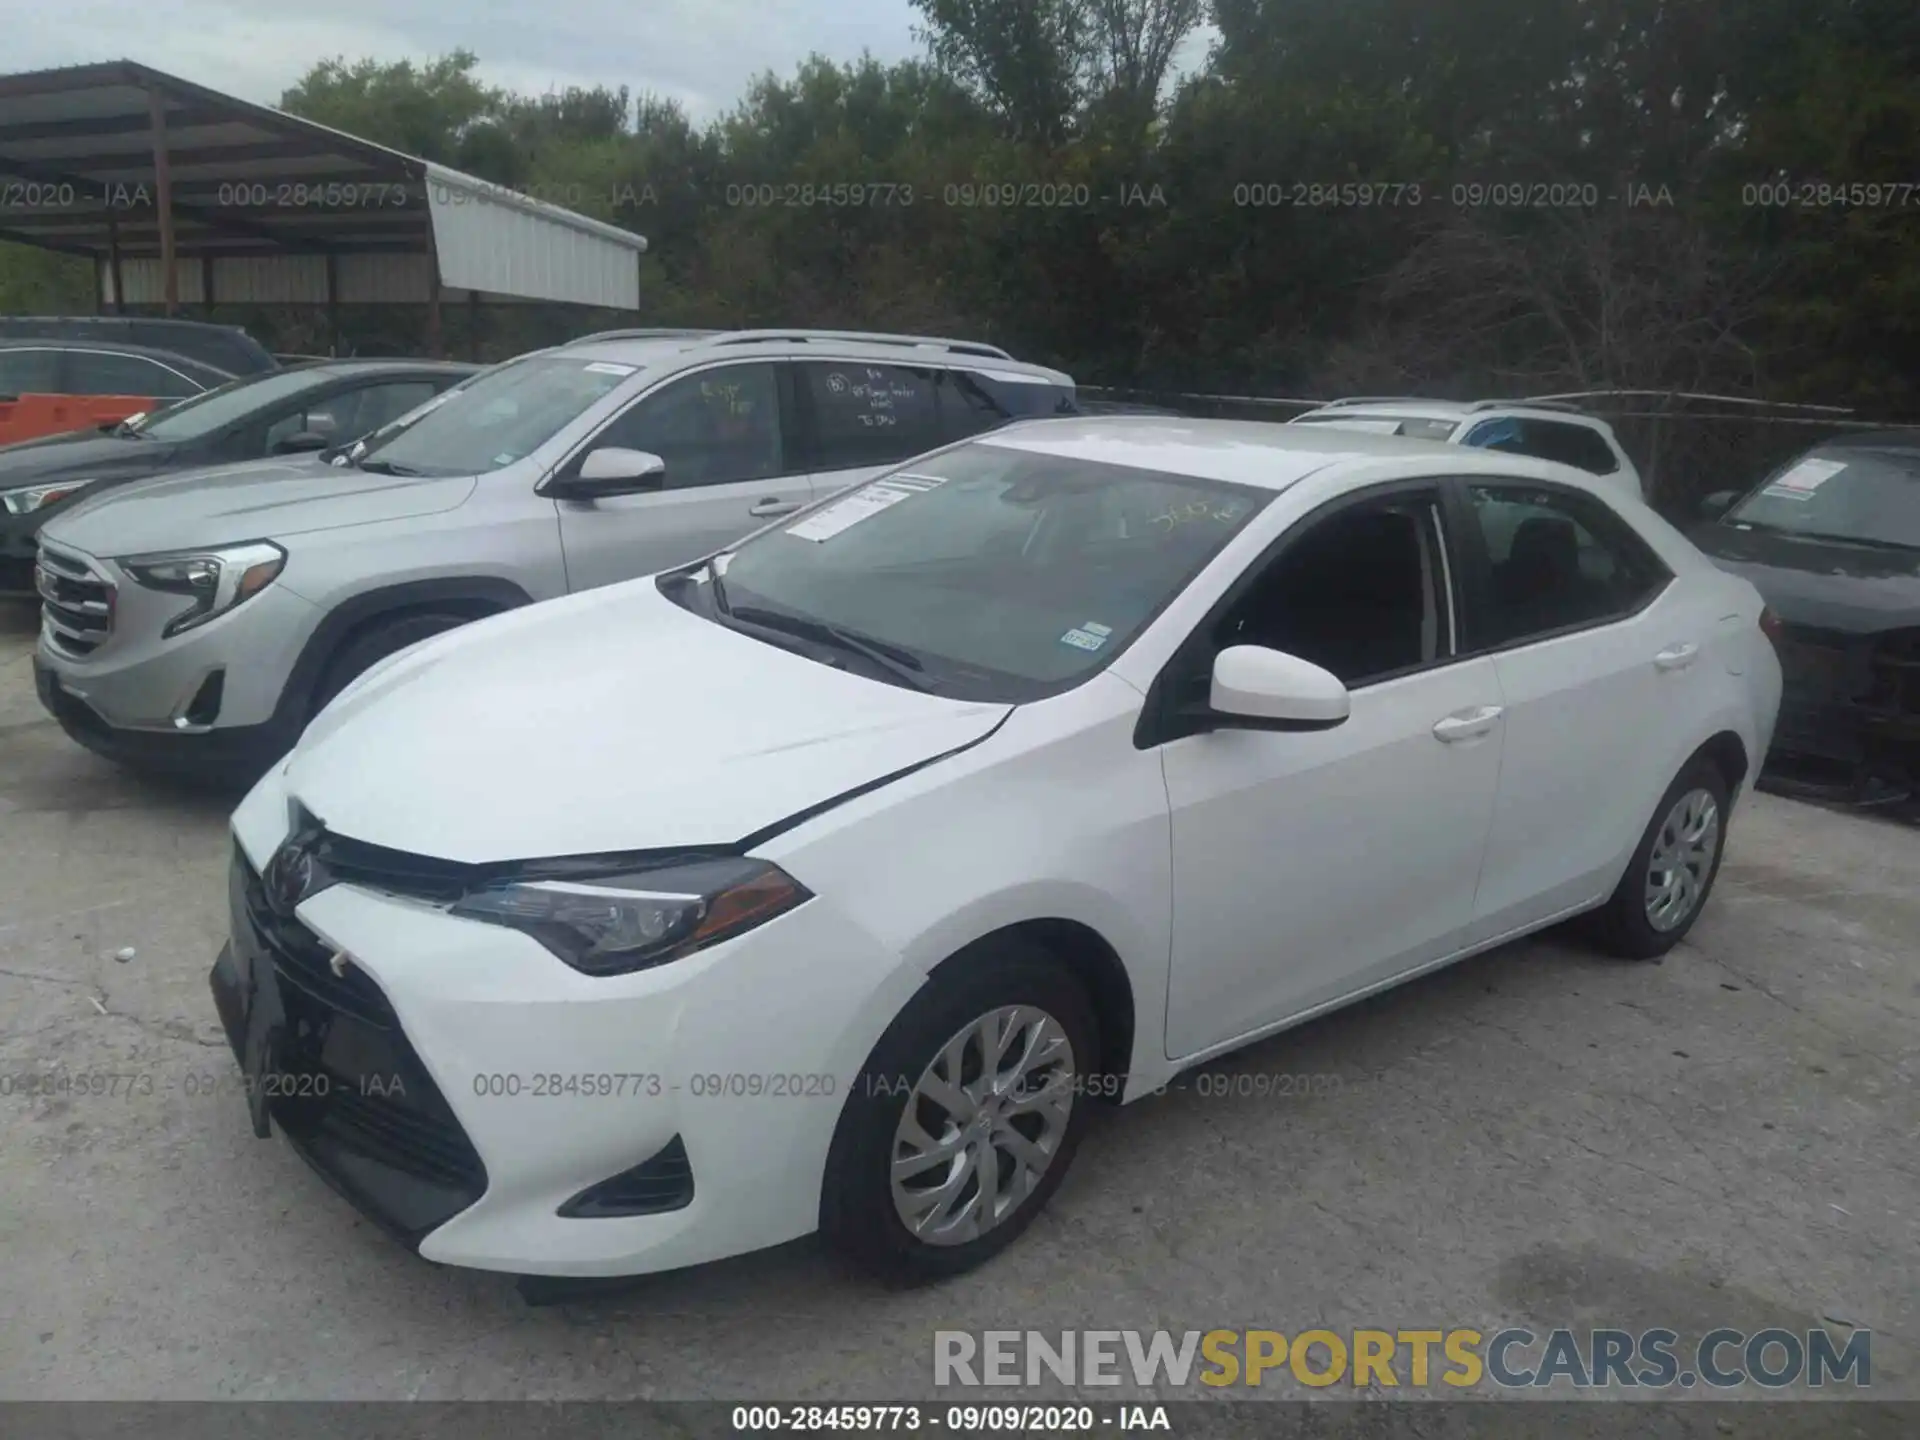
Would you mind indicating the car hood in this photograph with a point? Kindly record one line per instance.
(1821, 583)
(81, 454)
(255, 500)
(607, 721)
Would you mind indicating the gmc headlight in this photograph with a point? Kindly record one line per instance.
(37, 497)
(214, 580)
(616, 924)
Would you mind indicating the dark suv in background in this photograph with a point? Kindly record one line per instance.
(278, 412)
(224, 347)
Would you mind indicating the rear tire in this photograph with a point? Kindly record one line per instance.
(1673, 868)
(367, 649)
(910, 1199)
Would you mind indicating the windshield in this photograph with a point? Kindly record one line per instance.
(1868, 496)
(497, 417)
(1002, 575)
(218, 408)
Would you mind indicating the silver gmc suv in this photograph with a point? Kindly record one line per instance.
(196, 623)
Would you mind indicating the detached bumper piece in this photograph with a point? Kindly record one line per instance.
(1850, 704)
(329, 1064)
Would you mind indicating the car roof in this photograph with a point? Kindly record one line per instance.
(645, 349)
(1873, 440)
(386, 367)
(1418, 409)
(1240, 452)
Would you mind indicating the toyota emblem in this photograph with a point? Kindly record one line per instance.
(290, 876)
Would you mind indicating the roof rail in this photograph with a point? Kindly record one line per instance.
(660, 332)
(1373, 400)
(864, 337)
(1565, 405)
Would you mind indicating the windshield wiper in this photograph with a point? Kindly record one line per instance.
(902, 664)
(386, 467)
(1872, 542)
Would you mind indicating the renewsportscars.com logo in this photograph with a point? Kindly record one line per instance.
(1510, 1359)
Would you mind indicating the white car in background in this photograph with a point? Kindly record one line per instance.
(1544, 429)
(826, 883)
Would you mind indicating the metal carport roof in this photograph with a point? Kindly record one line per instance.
(133, 167)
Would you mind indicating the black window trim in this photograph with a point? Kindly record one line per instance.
(1477, 566)
(784, 390)
(1160, 720)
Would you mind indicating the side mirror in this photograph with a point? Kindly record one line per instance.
(1255, 688)
(1718, 504)
(301, 441)
(611, 470)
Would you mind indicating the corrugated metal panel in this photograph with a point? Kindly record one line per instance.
(382, 279)
(237, 280)
(493, 240)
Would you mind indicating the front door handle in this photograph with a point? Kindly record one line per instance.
(1677, 657)
(764, 509)
(1467, 724)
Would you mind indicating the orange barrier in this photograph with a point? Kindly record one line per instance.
(31, 416)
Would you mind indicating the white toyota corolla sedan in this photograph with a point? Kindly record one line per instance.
(826, 884)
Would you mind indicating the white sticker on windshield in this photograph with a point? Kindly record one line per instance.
(1081, 640)
(607, 367)
(862, 504)
(1805, 478)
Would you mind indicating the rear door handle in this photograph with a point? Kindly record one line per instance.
(770, 507)
(1467, 724)
(1677, 657)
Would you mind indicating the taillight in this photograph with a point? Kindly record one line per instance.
(1770, 624)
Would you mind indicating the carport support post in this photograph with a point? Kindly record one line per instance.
(333, 303)
(113, 265)
(206, 285)
(163, 197)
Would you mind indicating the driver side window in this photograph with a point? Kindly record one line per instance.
(1361, 592)
(714, 427)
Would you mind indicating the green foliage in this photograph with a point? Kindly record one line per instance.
(1042, 179)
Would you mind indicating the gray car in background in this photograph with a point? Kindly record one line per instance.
(198, 622)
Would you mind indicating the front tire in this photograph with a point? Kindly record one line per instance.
(965, 1118)
(1673, 868)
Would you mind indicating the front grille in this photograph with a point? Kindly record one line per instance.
(377, 1104)
(77, 602)
(302, 961)
(380, 1130)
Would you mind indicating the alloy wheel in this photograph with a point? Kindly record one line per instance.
(983, 1125)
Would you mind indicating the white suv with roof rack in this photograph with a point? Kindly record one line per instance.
(199, 621)
(1545, 429)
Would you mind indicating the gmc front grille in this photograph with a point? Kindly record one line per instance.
(77, 601)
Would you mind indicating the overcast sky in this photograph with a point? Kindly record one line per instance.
(700, 52)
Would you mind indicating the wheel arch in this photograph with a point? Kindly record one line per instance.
(1087, 955)
(474, 597)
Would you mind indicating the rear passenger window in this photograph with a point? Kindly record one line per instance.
(865, 415)
(99, 372)
(1558, 561)
(1580, 446)
(29, 372)
(965, 406)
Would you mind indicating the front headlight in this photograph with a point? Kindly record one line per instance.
(37, 497)
(616, 924)
(216, 580)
